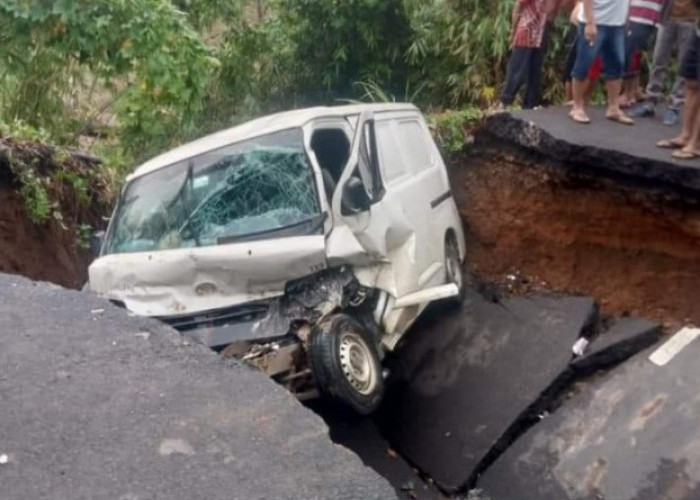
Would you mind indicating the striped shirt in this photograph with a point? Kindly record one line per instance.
(646, 11)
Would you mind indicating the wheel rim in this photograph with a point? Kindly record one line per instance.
(453, 266)
(357, 363)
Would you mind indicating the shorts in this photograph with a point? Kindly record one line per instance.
(690, 65)
(609, 44)
(637, 40)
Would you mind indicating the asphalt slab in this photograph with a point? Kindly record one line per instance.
(631, 434)
(601, 146)
(95, 404)
(464, 377)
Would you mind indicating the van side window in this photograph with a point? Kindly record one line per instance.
(389, 151)
(332, 149)
(415, 147)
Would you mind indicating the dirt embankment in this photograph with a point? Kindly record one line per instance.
(53, 248)
(532, 225)
(41, 252)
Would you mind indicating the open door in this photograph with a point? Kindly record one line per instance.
(368, 220)
(360, 185)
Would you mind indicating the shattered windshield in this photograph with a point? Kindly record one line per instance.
(262, 187)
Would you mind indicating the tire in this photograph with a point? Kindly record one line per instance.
(345, 362)
(453, 270)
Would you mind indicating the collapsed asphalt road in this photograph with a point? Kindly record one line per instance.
(98, 405)
(632, 434)
(489, 400)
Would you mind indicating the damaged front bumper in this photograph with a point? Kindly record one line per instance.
(273, 334)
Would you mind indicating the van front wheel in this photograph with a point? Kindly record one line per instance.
(345, 363)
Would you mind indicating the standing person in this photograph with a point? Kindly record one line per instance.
(529, 33)
(572, 43)
(601, 31)
(644, 16)
(674, 33)
(688, 141)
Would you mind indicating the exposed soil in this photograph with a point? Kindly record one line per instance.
(535, 226)
(44, 252)
(48, 250)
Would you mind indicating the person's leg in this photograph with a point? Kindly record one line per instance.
(637, 41)
(571, 37)
(613, 54)
(588, 90)
(534, 73)
(691, 116)
(585, 55)
(685, 32)
(688, 71)
(688, 136)
(632, 43)
(515, 73)
(663, 51)
(644, 34)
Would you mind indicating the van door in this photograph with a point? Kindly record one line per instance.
(376, 220)
(414, 176)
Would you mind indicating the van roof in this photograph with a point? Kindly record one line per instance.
(260, 126)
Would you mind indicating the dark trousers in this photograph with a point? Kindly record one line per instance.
(525, 66)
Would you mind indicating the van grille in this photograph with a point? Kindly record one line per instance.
(219, 317)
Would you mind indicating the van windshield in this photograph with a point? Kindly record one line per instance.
(262, 187)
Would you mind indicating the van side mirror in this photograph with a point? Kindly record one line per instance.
(355, 198)
(97, 239)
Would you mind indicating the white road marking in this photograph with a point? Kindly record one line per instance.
(664, 354)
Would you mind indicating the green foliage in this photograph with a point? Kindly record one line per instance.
(83, 232)
(139, 76)
(373, 92)
(256, 74)
(140, 56)
(453, 129)
(338, 43)
(34, 193)
(20, 129)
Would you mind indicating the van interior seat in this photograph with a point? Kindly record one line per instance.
(332, 149)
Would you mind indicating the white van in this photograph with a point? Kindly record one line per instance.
(305, 242)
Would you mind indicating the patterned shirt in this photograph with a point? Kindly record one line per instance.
(646, 11)
(529, 28)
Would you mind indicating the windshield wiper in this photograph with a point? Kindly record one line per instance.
(317, 222)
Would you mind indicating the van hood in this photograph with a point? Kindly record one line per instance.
(190, 280)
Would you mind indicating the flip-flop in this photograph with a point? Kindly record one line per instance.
(621, 118)
(685, 155)
(669, 144)
(579, 117)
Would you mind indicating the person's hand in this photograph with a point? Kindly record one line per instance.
(590, 33)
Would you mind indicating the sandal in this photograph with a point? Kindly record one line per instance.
(579, 116)
(685, 155)
(670, 144)
(620, 118)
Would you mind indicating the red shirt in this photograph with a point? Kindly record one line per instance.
(529, 28)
